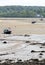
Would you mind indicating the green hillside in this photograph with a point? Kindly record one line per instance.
(22, 11)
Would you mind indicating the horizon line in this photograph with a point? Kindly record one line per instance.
(23, 5)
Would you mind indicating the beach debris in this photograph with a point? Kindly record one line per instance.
(4, 42)
(40, 54)
(26, 35)
(7, 31)
(27, 41)
(41, 19)
(33, 22)
(32, 51)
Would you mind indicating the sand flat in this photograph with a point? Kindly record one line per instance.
(20, 26)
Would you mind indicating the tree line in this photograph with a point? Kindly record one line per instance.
(22, 11)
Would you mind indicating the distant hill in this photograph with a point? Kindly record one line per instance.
(22, 11)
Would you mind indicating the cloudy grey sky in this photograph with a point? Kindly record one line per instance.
(23, 2)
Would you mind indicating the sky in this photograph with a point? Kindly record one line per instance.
(22, 2)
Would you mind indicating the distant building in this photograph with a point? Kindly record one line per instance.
(38, 15)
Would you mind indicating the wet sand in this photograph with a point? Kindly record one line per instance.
(16, 47)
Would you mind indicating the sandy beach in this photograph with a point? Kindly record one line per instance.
(21, 26)
(18, 46)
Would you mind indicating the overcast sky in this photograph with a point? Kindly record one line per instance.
(23, 2)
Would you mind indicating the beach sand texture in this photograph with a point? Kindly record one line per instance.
(21, 26)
